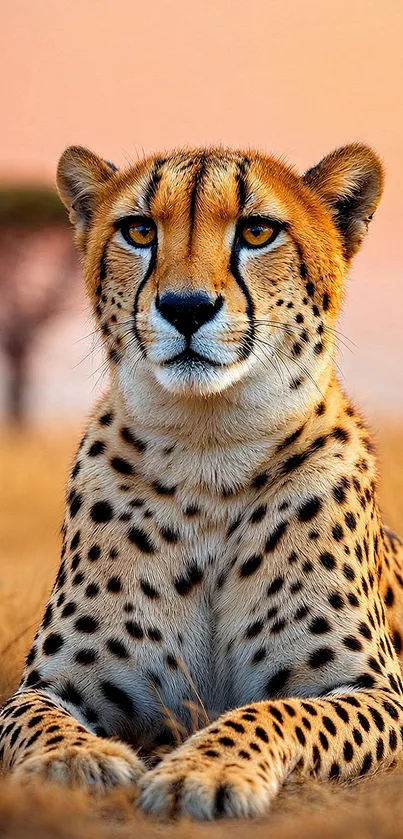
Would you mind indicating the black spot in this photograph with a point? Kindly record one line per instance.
(352, 643)
(121, 466)
(329, 725)
(340, 434)
(276, 684)
(191, 510)
(260, 732)
(254, 629)
(226, 741)
(87, 624)
(336, 600)
(366, 764)
(75, 501)
(169, 535)
(258, 514)
(292, 437)
(319, 626)
(92, 590)
(235, 524)
(134, 630)
(106, 419)
(75, 562)
(334, 771)
(350, 521)
(250, 565)
(75, 541)
(300, 735)
(260, 480)
(380, 749)
(275, 586)
(149, 590)
(259, 655)
(86, 656)
(339, 495)
(391, 710)
(30, 657)
(377, 718)
(101, 512)
(341, 712)
(192, 577)
(69, 609)
(69, 693)
(52, 644)
(47, 618)
(274, 538)
(97, 448)
(130, 438)
(365, 630)
(76, 469)
(310, 509)
(117, 697)
(328, 560)
(114, 585)
(142, 541)
(94, 553)
(117, 648)
(163, 490)
(363, 722)
(321, 657)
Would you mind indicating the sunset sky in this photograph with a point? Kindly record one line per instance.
(296, 78)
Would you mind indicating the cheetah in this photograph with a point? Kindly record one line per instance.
(228, 608)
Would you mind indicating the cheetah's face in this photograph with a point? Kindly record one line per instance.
(207, 267)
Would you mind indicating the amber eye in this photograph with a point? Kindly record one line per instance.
(257, 232)
(141, 232)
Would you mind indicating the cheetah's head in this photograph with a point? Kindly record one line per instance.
(212, 266)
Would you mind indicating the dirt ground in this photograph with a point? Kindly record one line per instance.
(33, 471)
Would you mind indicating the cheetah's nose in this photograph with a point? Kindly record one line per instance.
(189, 310)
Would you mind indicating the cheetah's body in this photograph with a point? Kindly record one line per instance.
(220, 550)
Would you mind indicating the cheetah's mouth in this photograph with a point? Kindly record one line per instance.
(193, 358)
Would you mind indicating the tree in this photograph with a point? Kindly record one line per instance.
(38, 269)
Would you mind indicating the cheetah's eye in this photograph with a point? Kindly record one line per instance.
(257, 232)
(139, 231)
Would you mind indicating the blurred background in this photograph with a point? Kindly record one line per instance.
(296, 79)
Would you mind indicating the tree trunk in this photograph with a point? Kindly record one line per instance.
(17, 363)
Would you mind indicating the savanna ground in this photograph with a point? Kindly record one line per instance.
(33, 471)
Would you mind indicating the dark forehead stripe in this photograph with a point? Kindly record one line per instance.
(197, 186)
(154, 181)
(241, 181)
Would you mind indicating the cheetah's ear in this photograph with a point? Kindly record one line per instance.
(81, 174)
(350, 181)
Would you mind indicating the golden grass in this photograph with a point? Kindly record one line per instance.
(33, 473)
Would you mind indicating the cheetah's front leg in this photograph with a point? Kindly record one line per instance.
(235, 766)
(44, 742)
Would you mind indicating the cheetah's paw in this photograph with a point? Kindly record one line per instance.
(191, 785)
(101, 764)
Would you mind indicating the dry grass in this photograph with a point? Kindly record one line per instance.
(32, 478)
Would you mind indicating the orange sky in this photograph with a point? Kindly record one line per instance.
(295, 77)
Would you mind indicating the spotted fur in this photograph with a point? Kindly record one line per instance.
(224, 568)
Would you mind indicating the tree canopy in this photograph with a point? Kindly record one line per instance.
(31, 207)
